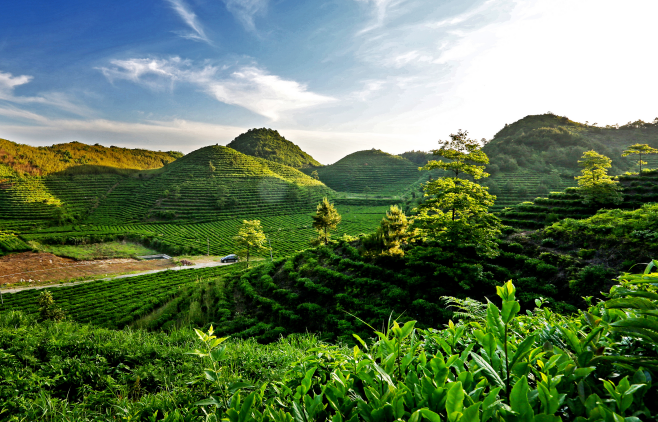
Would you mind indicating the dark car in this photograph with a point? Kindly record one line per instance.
(230, 258)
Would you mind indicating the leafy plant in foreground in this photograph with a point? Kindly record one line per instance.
(540, 367)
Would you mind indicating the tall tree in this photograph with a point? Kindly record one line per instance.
(639, 149)
(250, 238)
(455, 212)
(464, 156)
(594, 183)
(326, 219)
(394, 231)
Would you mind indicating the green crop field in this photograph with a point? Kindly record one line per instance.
(118, 302)
(286, 233)
(636, 191)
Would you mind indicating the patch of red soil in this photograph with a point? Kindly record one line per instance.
(44, 268)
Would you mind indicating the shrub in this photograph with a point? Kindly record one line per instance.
(590, 280)
(586, 253)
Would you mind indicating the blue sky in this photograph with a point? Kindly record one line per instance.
(333, 76)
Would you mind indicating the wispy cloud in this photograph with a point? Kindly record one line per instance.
(379, 10)
(190, 19)
(59, 100)
(245, 11)
(246, 86)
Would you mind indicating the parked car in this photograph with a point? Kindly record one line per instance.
(230, 258)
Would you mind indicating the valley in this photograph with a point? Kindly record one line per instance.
(468, 284)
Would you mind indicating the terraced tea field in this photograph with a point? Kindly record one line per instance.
(637, 190)
(116, 303)
(287, 234)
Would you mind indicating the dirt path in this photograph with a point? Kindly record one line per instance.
(44, 286)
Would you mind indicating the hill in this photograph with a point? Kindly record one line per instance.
(25, 160)
(270, 145)
(539, 154)
(210, 183)
(370, 171)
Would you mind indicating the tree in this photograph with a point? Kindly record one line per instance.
(455, 212)
(250, 238)
(639, 149)
(48, 311)
(393, 229)
(594, 184)
(315, 175)
(325, 219)
(465, 155)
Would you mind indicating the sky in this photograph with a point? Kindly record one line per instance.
(332, 76)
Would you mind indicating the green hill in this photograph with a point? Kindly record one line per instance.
(270, 145)
(211, 183)
(371, 171)
(18, 159)
(539, 154)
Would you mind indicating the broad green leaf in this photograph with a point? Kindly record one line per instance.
(431, 416)
(488, 370)
(510, 309)
(524, 348)
(471, 413)
(630, 302)
(455, 398)
(519, 400)
(407, 329)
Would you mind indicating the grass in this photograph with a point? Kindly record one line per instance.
(106, 250)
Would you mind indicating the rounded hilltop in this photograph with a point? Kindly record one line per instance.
(368, 171)
(270, 145)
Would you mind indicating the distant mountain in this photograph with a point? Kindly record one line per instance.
(270, 145)
(370, 171)
(39, 161)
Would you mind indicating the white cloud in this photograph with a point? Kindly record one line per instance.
(265, 94)
(248, 86)
(380, 9)
(245, 11)
(9, 82)
(54, 99)
(190, 19)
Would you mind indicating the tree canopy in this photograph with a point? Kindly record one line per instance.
(326, 219)
(455, 212)
(640, 150)
(250, 238)
(464, 156)
(594, 183)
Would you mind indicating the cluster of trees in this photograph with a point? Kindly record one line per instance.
(594, 183)
(40, 161)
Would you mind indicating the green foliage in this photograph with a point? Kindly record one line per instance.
(270, 145)
(326, 219)
(48, 311)
(75, 156)
(465, 156)
(456, 210)
(594, 184)
(590, 280)
(639, 150)
(250, 238)
(508, 366)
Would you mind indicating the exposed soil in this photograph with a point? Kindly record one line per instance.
(33, 268)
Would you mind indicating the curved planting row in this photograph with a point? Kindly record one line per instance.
(118, 302)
